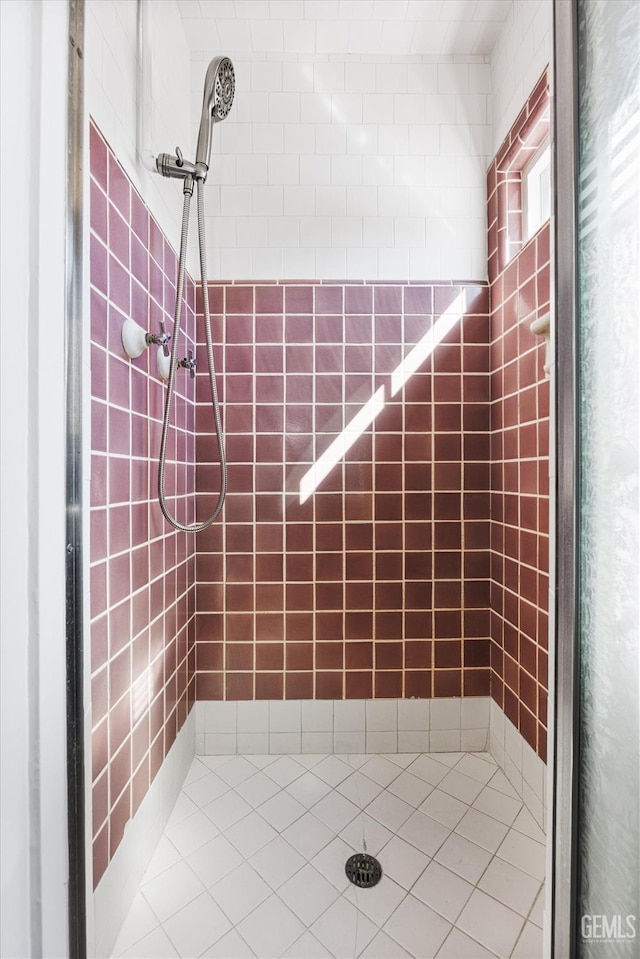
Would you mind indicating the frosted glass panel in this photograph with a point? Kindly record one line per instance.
(609, 323)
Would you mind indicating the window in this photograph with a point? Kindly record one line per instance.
(536, 191)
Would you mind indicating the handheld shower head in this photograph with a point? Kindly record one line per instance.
(219, 89)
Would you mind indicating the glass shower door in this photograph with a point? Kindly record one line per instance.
(607, 367)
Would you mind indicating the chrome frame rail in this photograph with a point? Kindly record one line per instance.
(563, 918)
(73, 532)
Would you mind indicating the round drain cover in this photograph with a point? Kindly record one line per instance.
(363, 870)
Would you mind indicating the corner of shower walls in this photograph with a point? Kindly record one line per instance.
(342, 726)
(116, 890)
(522, 766)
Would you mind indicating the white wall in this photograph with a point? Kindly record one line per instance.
(349, 167)
(33, 833)
(140, 102)
(523, 50)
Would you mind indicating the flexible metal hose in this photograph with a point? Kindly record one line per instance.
(192, 527)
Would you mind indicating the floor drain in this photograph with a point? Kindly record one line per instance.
(363, 870)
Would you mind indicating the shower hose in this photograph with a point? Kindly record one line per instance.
(191, 527)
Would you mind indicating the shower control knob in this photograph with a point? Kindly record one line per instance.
(160, 339)
(179, 157)
(189, 363)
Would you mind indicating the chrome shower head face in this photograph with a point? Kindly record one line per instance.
(219, 90)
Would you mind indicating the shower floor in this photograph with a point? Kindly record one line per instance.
(252, 862)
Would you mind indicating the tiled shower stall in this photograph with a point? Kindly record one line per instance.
(378, 581)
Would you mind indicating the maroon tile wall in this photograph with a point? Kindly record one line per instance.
(520, 283)
(141, 573)
(378, 584)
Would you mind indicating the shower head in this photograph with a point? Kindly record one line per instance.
(219, 89)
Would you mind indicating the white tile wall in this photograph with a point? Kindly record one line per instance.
(522, 766)
(343, 726)
(116, 890)
(141, 107)
(522, 51)
(348, 167)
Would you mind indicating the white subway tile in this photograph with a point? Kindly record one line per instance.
(422, 77)
(408, 170)
(219, 744)
(267, 200)
(253, 744)
(346, 170)
(346, 231)
(381, 715)
(377, 231)
(377, 108)
(253, 717)
(349, 742)
(251, 231)
(315, 108)
(413, 715)
(297, 76)
(393, 200)
(220, 717)
(315, 231)
(235, 264)
(445, 740)
(299, 201)
(328, 77)
(393, 138)
(317, 742)
(331, 138)
(283, 169)
(284, 107)
(393, 264)
(285, 717)
(252, 107)
(408, 108)
(284, 231)
(362, 201)
(266, 76)
(360, 77)
(475, 712)
(424, 139)
(413, 741)
(331, 262)
(349, 715)
(453, 78)
(251, 170)
(474, 740)
(346, 107)
(315, 169)
(331, 201)
(236, 201)
(377, 171)
(446, 714)
(267, 264)
(300, 36)
(268, 138)
(362, 264)
(317, 716)
(362, 138)
(299, 138)
(235, 138)
(391, 78)
(381, 742)
(424, 265)
(299, 264)
(285, 743)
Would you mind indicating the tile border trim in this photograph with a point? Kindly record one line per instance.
(262, 727)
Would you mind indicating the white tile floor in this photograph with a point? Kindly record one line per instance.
(252, 862)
